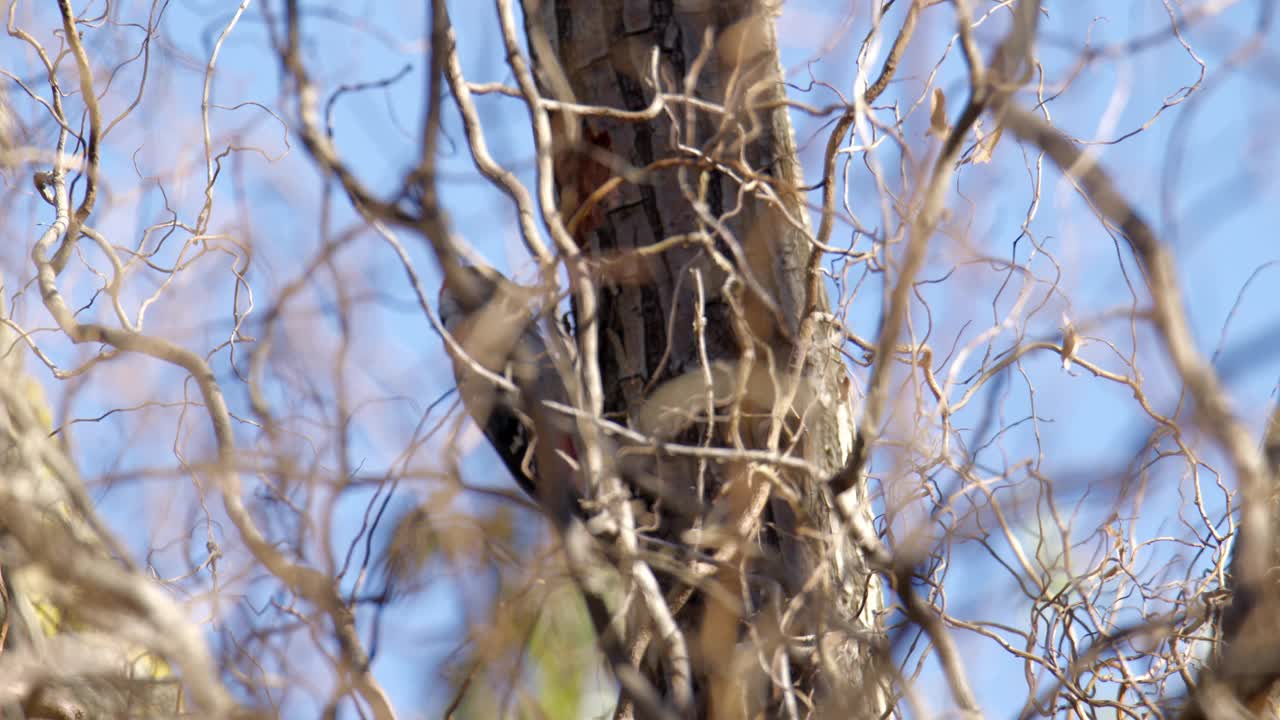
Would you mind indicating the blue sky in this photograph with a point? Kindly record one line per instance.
(1199, 169)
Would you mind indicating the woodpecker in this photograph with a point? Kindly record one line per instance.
(496, 331)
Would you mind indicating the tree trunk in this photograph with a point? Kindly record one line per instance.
(702, 254)
(59, 662)
(1245, 669)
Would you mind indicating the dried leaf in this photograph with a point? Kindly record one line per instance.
(987, 146)
(414, 542)
(938, 114)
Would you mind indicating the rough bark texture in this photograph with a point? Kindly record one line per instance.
(60, 667)
(729, 182)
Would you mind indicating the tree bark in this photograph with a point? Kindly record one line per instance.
(694, 226)
(56, 662)
(1244, 675)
